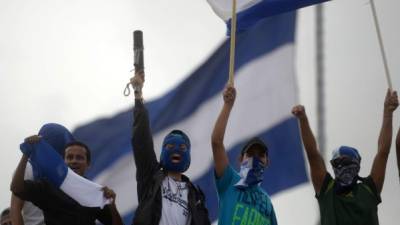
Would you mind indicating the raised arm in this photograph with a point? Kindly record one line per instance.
(221, 160)
(384, 141)
(142, 141)
(17, 183)
(16, 210)
(317, 165)
(115, 216)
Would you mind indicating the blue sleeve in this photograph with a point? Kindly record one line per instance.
(227, 179)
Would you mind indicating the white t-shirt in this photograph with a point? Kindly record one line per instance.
(31, 214)
(175, 208)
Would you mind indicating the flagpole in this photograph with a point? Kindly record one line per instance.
(320, 70)
(320, 80)
(382, 48)
(232, 45)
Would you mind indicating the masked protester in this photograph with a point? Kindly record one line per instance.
(348, 198)
(346, 165)
(240, 192)
(166, 196)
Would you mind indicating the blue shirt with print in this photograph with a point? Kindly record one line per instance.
(249, 206)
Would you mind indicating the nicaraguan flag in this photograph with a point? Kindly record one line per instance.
(266, 91)
(51, 167)
(249, 12)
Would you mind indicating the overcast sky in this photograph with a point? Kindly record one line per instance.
(68, 62)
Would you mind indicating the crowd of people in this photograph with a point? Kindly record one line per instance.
(167, 197)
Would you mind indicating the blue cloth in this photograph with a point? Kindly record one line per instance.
(47, 163)
(346, 151)
(251, 173)
(250, 206)
(56, 135)
(26, 148)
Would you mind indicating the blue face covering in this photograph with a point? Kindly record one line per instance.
(251, 172)
(176, 139)
(346, 175)
(346, 166)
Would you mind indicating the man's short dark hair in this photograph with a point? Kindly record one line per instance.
(81, 144)
(254, 141)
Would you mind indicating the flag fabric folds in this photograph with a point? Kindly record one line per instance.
(49, 165)
(266, 91)
(249, 12)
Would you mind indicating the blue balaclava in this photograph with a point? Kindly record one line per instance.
(175, 138)
(346, 166)
(56, 135)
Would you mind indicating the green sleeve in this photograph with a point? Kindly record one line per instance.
(326, 186)
(369, 184)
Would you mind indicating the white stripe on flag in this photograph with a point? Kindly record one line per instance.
(223, 8)
(84, 191)
(121, 178)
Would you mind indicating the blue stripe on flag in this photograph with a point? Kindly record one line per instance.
(250, 12)
(267, 8)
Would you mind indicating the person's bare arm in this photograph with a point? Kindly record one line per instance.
(116, 217)
(17, 183)
(317, 165)
(15, 210)
(384, 141)
(221, 160)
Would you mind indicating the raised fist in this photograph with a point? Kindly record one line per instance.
(391, 101)
(299, 112)
(138, 80)
(229, 95)
(109, 194)
(32, 139)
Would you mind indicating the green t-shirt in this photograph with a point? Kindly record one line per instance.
(358, 207)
